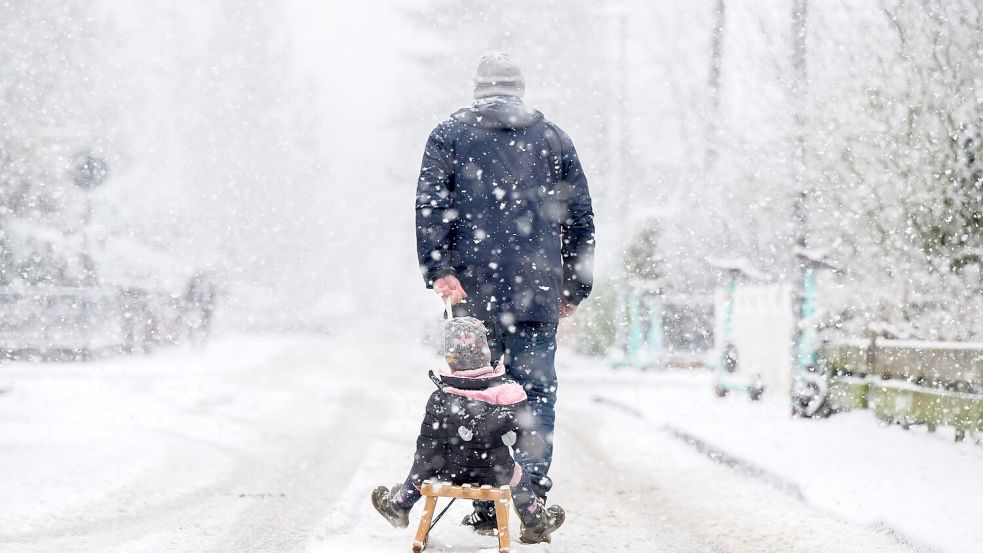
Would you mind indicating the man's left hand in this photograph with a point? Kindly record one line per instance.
(567, 309)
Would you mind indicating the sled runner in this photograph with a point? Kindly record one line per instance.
(432, 490)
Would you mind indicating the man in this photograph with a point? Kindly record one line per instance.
(505, 232)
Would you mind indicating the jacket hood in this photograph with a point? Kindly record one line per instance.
(499, 113)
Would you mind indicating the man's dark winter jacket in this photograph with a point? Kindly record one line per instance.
(502, 202)
(471, 421)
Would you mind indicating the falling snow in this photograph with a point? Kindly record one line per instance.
(215, 216)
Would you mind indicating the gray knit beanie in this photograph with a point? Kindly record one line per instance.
(466, 344)
(498, 75)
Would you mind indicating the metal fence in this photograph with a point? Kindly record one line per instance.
(909, 382)
(950, 365)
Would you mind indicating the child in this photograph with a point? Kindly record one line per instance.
(470, 423)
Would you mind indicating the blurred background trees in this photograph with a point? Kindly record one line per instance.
(54, 103)
(895, 104)
(245, 141)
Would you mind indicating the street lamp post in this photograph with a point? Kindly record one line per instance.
(90, 171)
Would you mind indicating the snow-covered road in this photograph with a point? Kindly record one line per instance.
(273, 444)
(235, 449)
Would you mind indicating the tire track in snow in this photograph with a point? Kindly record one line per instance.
(295, 487)
(307, 465)
(736, 464)
(611, 505)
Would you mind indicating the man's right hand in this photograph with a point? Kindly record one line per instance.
(450, 288)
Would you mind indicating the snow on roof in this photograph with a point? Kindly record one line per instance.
(740, 265)
(816, 256)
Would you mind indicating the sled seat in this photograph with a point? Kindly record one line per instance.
(431, 490)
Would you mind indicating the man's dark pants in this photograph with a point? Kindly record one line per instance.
(529, 350)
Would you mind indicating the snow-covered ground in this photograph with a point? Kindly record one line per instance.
(922, 489)
(273, 444)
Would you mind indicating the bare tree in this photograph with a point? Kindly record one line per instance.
(894, 148)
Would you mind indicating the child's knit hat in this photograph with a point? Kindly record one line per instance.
(466, 344)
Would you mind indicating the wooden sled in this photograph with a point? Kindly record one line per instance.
(431, 490)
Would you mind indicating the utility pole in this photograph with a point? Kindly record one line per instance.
(617, 125)
(622, 80)
(799, 87)
(621, 185)
(716, 56)
(801, 269)
(618, 189)
(6, 256)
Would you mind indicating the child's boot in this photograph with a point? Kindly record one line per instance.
(539, 532)
(382, 500)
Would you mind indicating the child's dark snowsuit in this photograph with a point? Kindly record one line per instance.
(470, 422)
